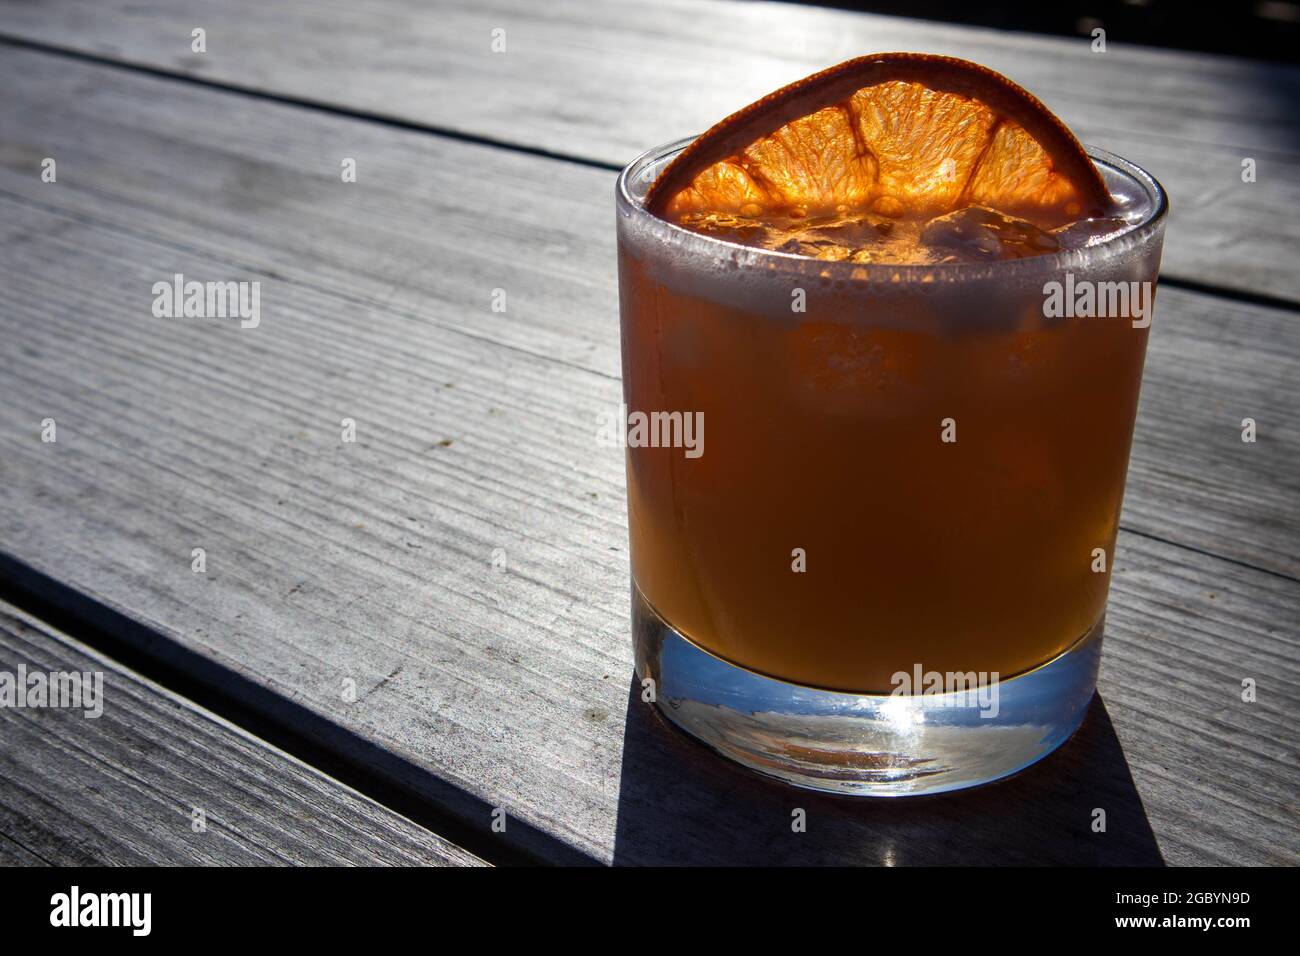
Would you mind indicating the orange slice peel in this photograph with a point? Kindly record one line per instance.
(885, 137)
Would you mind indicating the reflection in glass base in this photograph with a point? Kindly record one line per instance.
(870, 745)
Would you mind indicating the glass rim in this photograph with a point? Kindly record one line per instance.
(1133, 237)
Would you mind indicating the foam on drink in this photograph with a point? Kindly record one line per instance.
(972, 233)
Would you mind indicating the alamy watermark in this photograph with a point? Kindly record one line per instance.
(978, 689)
(624, 429)
(180, 299)
(1086, 299)
(133, 911)
(66, 690)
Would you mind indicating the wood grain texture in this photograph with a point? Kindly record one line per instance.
(509, 687)
(14, 854)
(121, 788)
(606, 81)
(432, 227)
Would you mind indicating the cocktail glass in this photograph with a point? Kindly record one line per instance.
(873, 507)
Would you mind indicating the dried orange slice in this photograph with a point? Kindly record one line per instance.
(878, 140)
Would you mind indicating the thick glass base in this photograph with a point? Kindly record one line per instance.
(869, 745)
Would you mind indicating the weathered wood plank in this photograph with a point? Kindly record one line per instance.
(14, 854)
(121, 788)
(373, 562)
(433, 226)
(604, 82)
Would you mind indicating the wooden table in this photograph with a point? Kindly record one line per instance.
(396, 637)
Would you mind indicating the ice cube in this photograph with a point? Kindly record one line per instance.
(1089, 232)
(726, 226)
(833, 238)
(816, 249)
(979, 234)
(856, 230)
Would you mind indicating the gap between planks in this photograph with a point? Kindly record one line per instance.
(205, 684)
(121, 788)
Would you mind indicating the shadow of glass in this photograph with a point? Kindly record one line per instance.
(680, 804)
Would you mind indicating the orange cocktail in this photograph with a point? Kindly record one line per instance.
(911, 326)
